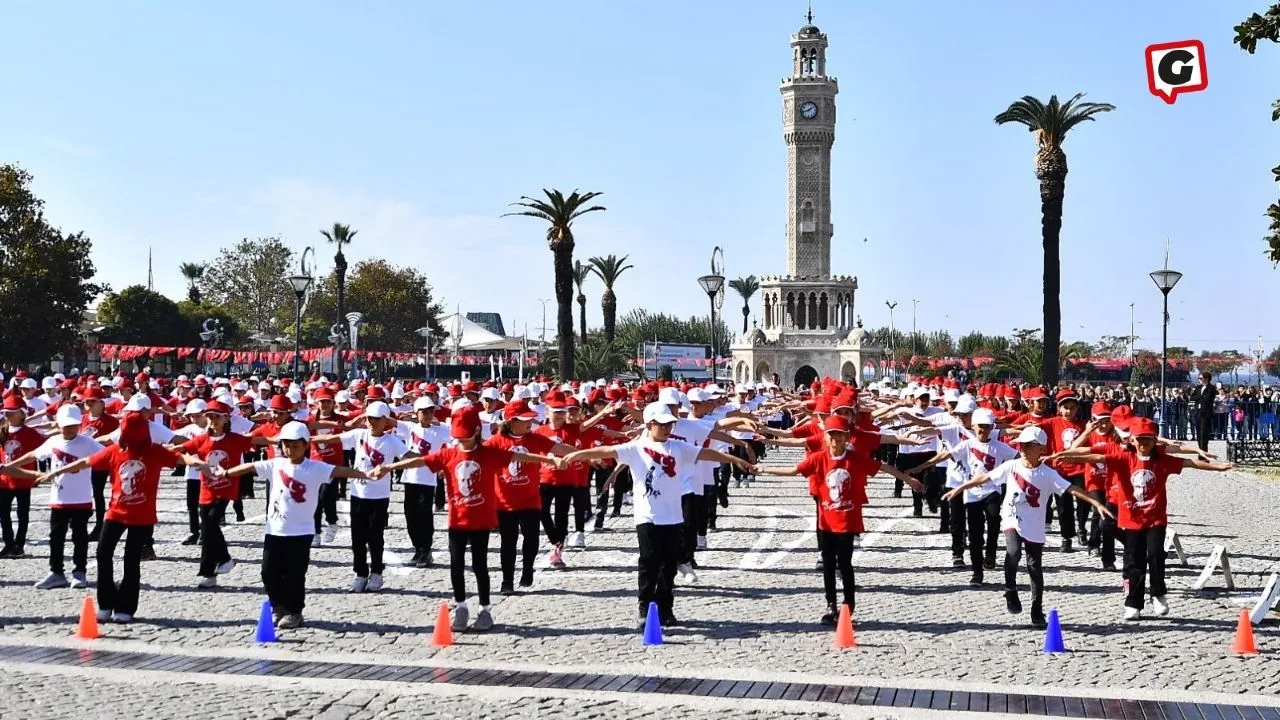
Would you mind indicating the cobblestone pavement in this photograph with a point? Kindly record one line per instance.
(755, 607)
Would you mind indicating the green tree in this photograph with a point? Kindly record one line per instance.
(609, 268)
(1051, 122)
(1254, 28)
(45, 276)
(138, 316)
(1223, 362)
(192, 272)
(580, 274)
(640, 326)
(340, 235)
(1271, 363)
(976, 344)
(1024, 358)
(560, 212)
(746, 287)
(395, 300)
(248, 280)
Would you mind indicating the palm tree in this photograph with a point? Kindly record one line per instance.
(194, 273)
(746, 287)
(340, 235)
(1050, 122)
(580, 274)
(608, 268)
(559, 211)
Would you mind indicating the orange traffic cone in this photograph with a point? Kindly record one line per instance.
(88, 629)
(442, 635)
(1244, 644)
(844, 629)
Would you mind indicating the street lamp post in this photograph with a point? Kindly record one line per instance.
(337, 334)
(893, 341)
(300, 285)
(1165, 279)
(425, 332)
(353, 321)
(210, 334)
(711, 285)
(915, 307)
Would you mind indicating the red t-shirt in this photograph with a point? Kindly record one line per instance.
(134, 481)
(518, 482)
(587, 439)
(808, 429)
(226, 451)
(840, 485)
(267, 430)
(1095, 474)
(861, 441)
(569, 435)
(19, 443)
(1062, 434)
(1141, 487)
(472, 481)
(99, 426)
(329, 452)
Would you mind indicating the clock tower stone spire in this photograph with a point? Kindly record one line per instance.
(809, 130)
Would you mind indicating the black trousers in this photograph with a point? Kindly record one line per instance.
(77, 519)
(1013, 548)
(285, 560)
(419, 516)
(722, 475)
(621, 487)
(440, 492)
(122, 598)
(905, 461)
(1204, 430)
(984, 531)
(708, 500)
(8, 498)
(213, 545)
(1102, 530)
(694, 506)
(478, 540)
(934, 479)
(99, 480)
(513, 524)
(368, 522)
(600, 477)
(1143, 556)
(660, 547)
(1072, 515)
(711, 496)
(581, 507)
(956, 521)
(555, 511)
(738, 473)
(328, 505)
(837, 555)
(193, 506)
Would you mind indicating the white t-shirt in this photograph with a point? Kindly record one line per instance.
(973, 458)
(1025, 492)
(422, 440)
(160, 435)
(931, 443)
(241, 425)
(292, 494)
(658, 470)
(693, 431)
(190, 432)
(72, 488)
(370, 452)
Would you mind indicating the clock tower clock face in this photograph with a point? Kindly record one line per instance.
(809, 110)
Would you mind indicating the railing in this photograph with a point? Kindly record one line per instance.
(1232, 420)
(1254, 452)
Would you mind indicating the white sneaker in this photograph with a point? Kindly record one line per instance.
(626, 499)
(702, 542)
(78, 580)
(52, 580)
(315, 541)
(122, 618)
(578, 540)
(686, 572)
(461, 616)
(359, 584)
(1132, 613)
(104, 616)
(330, 533)
(226, 567)
(208, 582)
(374, 584)
(818, 565)
(1159, 607)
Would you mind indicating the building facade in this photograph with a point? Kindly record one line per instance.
(809, 328)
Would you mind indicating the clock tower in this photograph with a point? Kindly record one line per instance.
(808, 328)
(809, 129)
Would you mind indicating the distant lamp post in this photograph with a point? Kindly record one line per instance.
(354, 319)
(711, 285)
(337, 336)
(210, 333)
(300, 285)
(425, 332)
(1165, 279)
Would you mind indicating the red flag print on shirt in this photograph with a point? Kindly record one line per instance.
(420, 444)
(297, 490)
(1031, 492)
(666, 462)
(375, 457)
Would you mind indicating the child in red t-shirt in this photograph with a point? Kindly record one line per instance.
(838, 479)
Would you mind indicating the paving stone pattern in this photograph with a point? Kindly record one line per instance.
(755, 606)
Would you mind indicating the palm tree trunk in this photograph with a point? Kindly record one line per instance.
(564, 308)
(340, 267)
(609, 306)
(746, 311)
(1052, 190)
(582, 317)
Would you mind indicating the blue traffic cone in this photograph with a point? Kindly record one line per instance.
(652, 626)
(1053, 635)
(266, 632)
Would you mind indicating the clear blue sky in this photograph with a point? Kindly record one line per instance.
(184, 126)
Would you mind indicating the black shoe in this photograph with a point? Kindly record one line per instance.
(1037, 620)
(693, 563)
(668, 619)
(831, 617)
(507, 589)
(16, 552)
(917, 513)
(898, 494)
(1109, 566)
(724, 501)
(615, 514)
(1012, 602)
(526, 580)
(192, 539)
(989, 563)
(239, 516)
(95, 533)
(976, 580)
(957, 562)
(6, 552)
(1066, 545)
(417, 556)
(589, 516)
(148, 554)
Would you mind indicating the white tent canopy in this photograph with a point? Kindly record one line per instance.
(468, 336)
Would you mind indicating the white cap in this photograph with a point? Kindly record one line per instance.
(28, 384)
(295, 394)
(659, 413)
(196, 407)
(154, 385)
(1032, 434)
(669, 396)
(294, 431)
(983, 416)
(740, 390)
(423, 403)
(241, 386)
(67, 416)
(60, 377)
(138, 403)
(341, 396)
(49, 383)
(525, 393)
(920, 392)
(222, 392)
(397, 391)
(966, 404)
(490, 393)
(715, 390)
(950, 396)
(459, 404)
(697, 395)
(377, 409)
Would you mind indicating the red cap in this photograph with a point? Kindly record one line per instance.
(471, 387)
(376, 392)
(1121, 416)
(93, 393)
(1144, 426)
(280, 402)
(464, 423)
(835, 423)
(1100, 410)
(217, 407)
(13, 402)
(595, 396)
(519, 410)
(508, 388)
(323, 393)
(1066, 394)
